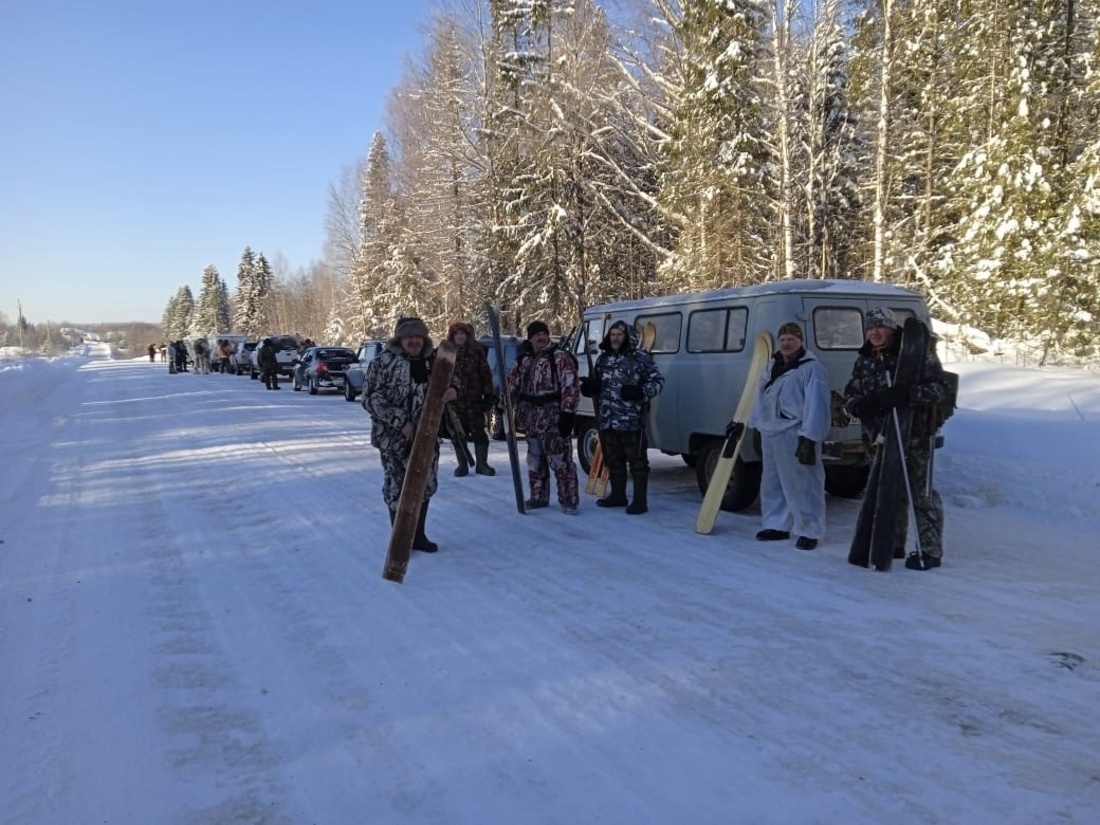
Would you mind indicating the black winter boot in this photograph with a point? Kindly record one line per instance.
(463, 468)
(481, 453)
(618, 492)
(420, 541)
(641, 489)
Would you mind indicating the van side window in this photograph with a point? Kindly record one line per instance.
(717, 330)
(668, 331)
(838, 328)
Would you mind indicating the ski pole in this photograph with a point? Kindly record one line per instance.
(905, 475)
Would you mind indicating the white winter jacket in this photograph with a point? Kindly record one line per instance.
(799, 397)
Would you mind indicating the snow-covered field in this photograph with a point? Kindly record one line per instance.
(194, 628)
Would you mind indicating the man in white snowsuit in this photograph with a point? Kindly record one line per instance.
(793, 417)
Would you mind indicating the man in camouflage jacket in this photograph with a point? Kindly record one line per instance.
(394, 390)
(624, 378)
(543, 381)
(474, 383)
(871, 399)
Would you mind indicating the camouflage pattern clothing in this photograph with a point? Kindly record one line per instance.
(544, 387)
(622, 421)
(474, 382)
(394, 390)
(869, 377)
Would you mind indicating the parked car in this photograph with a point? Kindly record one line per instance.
(286, 351)
(357, 371)
(703, 342)
(321, 368)
(240, 362)
(510, 344)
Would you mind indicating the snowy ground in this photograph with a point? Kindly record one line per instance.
(194, 628)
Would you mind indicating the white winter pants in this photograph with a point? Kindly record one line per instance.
(792, 495)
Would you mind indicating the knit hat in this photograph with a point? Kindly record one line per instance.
(410, 326)
(535, 327)
(621, 326)
(791, 328)
(880, 317)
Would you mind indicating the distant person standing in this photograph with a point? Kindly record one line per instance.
(269, 364)
(152, 349)
(793, 416)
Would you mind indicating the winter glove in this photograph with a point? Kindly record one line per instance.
(806, 451)
(632, 392)
(892, 397)
(565, 424)
(590, 386)
(863, 407)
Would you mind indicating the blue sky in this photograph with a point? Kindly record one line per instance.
(142, 141)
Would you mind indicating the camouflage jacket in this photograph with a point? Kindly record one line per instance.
(869, 376)
(392, 397)
(618, 369)
(473, 380)
(543, 386)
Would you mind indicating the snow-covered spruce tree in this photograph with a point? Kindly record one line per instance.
(223, 315)
(204, 320)
(386, 282)
(177, 320)
(261, 296)
(433, 118)
(716, 185)
(1009, 263)
(244, 308)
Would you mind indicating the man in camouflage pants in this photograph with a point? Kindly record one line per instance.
(870, 398)
(394, 390)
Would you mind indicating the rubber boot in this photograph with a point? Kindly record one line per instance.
(641, 488)
(481, 453)
(463, 468)
(618, 492)
(420, 541)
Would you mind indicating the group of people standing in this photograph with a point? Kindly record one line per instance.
(792, 412)
(793, 415)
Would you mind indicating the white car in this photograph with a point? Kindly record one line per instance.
(286, 353)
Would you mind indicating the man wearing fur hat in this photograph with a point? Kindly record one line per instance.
(394, 390)
(792, 415)
(870, 398)
(474, 383)
(624, 378)
(543, 381)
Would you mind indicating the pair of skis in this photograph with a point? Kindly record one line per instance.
(874, 538)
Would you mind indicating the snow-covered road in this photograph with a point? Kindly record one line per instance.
(194, 629)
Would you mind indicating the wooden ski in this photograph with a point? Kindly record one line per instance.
(425, 443)
(723, 468)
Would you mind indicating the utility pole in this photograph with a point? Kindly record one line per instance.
(20, 323)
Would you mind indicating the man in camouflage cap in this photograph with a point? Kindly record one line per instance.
(870, 397)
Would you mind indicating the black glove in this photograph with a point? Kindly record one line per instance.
(565, 424)
(806, 451)
(864, 406)
(632, 392)
(590, 386)
(892, 397)
(734, 430)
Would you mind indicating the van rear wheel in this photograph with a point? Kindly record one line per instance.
(744, 483)
(588, 436)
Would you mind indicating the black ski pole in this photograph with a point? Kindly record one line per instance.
(905, 476)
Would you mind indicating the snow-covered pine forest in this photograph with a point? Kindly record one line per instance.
(552, 154)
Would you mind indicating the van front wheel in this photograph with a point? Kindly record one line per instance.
(744, 483)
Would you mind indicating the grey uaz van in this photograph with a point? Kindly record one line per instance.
(703, 342)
